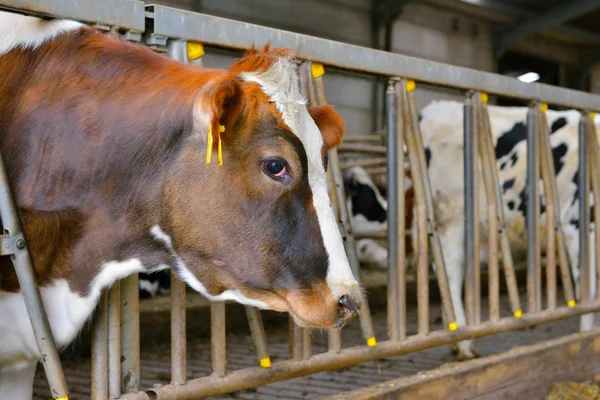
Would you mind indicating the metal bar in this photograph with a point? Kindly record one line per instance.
(130, 334)
(259, 337)
(548, 179)
(375, 137)
(366, 322)
(369, 162)
(217, 338)
(555, 16)
(417, 174)
(471, 218)
(533, 201)
(295, 340)
(238, 380)
(25, 272)
(100, 351)
(114, 340)
(394, 213)
(362, 148)
(594, 162)
(126, 14)
(171, 22)
(178, 331)
(584, 216)
(507, 260)
(306, 343)
(488, 163)
(178, 51)
(476, 227)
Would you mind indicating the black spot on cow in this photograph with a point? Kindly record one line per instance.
(154, 283)
(558, 124)
(523, 201)
(427, 156)
(511, 205)
(558, 153)
(514, 159)
(508, 140)
(575, 181)
(575, 221)
(364, 201)
(503, 165)
(507, 185)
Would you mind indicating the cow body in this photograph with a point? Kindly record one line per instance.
(106, 144)
(442, 132)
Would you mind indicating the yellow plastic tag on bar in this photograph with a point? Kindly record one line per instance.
(484, 98)
(317, 70)
(372, 342)
(453, 326)
(571, 303)
(194, 50)
(410, 85)
(518, 314)
(265, 362)
(209, 145)
(544, 107)
(593, 116)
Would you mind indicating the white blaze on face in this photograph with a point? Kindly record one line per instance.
(280, 83)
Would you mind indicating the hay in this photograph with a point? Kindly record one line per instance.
(575, 391)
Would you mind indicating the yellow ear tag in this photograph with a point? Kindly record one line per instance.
(209, 145)
(219, 146)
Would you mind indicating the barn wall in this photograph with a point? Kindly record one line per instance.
(421, 30)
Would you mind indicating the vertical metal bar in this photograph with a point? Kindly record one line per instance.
(334, 336)
(422, 260)
(470, 216)
(114, 340)
(257, 331)
(178, 51)
(584, 215)
(31, 294)
(344, 220)
(431, 234)
(295, 340)
(548, 175)
(217, 338)
(100, 351)
(178, 331)
(594, 163)
(488, 163)
(532, 212)
(395, 212)
(130, 334)
(476, 226)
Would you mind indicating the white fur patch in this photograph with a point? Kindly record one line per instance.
(67, 312)
(280, 83)
(188, 277)
(18, 30)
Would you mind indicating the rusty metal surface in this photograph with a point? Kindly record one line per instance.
(155, 366)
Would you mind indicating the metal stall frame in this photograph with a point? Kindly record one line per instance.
(163, 25)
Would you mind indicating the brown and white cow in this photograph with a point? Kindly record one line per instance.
(105, 144)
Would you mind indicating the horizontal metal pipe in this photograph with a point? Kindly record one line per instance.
(368, 162)
(362, 148)
(375, 137)
(243, 379)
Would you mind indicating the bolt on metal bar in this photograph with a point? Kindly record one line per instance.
(218, 338)
(533, 208)
(25, 272)
(432, 234)
(130, 334)
(548, 179)
(395, 216)
(584, 214)
(507, 260)
(100, 351)
(487, 165)
(247, 378)
(178, 51)
(114, 340)
(259, 337)
(344, 219)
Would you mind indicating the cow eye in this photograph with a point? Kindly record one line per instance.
(275, 168)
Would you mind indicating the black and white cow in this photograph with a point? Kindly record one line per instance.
(442, 131)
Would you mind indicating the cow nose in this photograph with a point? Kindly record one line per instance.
(347, 309)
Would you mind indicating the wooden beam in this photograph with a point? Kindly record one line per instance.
(526, 372)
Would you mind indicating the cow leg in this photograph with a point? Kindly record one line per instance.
(452, 240)
(17, 384)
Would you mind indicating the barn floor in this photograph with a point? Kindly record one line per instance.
(156, 359)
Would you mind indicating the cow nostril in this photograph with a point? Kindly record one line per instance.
(347, 306)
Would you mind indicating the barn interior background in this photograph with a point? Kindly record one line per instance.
(557, 40)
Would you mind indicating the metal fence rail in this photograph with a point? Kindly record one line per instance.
(116, 364)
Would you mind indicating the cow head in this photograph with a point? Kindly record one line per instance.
(259, 229)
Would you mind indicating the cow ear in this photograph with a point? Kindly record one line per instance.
(330, 123)
(216, 109)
